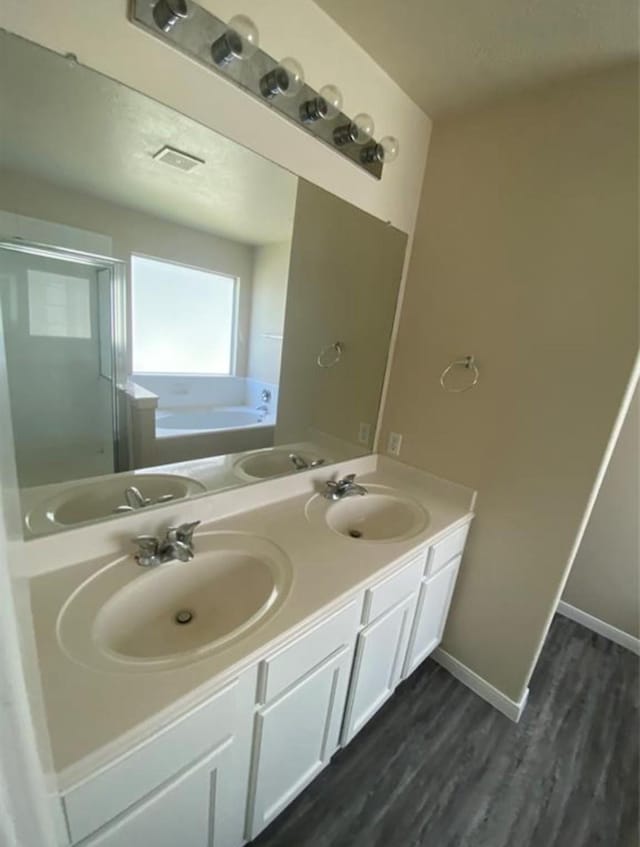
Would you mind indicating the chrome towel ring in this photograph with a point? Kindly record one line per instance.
(330, 355)
(469, 362)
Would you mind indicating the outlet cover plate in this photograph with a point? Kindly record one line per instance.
(364, 434)
(394, 444)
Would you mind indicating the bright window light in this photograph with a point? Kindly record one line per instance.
(183, 319)
(59, 306)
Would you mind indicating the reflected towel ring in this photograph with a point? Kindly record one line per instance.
(469, 362)
(330, 355)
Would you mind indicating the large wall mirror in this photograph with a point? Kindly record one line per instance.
(179, 315)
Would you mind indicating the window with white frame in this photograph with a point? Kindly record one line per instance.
(183, 319)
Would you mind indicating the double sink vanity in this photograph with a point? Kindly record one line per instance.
(217, 604)
(212, 683)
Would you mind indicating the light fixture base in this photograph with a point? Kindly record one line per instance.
(202, 36)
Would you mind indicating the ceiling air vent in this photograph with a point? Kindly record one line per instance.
(177, 159)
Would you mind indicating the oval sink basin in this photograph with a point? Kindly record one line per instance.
(272, 462)
(96, 499)
(382, 514)
(129, 618)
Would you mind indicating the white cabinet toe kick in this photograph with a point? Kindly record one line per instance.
(221, 773)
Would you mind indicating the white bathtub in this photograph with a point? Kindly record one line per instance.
(194, 433)
(177, 422)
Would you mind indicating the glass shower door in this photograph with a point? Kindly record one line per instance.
(57, 332)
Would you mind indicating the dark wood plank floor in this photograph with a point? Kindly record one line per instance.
(438, 767)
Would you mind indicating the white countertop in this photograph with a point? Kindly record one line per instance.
(94, 716)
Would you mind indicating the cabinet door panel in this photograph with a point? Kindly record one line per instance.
(296, 735)
(431, 615)
(380, 654)
(151, 764)
(188, 811)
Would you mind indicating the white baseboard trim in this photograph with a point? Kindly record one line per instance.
(496, 698)
(619, 636)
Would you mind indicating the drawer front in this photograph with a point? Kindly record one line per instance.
(114, 789)
(283, 668)
(390, 591)
(450, 546)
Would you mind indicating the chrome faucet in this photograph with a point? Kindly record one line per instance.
(301, 464)
(135, 498)
(346, 487)
(177, 544)
(263, 408)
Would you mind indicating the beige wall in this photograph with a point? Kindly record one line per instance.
(135, 232)
(526, 256)
(270, 277)
(605, 576)
(344, 275)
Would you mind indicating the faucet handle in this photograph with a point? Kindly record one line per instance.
(184, 532)
(148, 546)
(146, 543)
(350, 477)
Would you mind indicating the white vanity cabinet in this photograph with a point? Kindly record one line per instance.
(220, 774)
(434, 600)
(302, 691)
(186, 785)
(382, 644)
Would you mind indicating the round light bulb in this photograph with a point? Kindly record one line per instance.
(244, 27)
(362, 128)
(295, 75)
(389, 147)
(332, 97)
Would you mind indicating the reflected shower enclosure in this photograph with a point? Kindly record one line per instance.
(63, 327)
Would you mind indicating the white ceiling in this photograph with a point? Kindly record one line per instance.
(448, 55)
(79, 129)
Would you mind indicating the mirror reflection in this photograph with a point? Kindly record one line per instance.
(178, 314)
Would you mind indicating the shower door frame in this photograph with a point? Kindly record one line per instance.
(118, 283)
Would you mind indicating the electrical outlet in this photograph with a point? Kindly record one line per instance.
(364, 433)
(394, 444)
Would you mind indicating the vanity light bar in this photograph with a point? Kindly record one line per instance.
(231, 49)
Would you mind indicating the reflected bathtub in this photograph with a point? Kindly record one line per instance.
(183, 434)
(177, 422)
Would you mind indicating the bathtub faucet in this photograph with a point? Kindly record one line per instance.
(263, 408)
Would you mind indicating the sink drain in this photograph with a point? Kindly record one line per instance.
(183, 616)
(355, 533)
